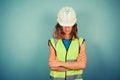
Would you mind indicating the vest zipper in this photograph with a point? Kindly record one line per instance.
(66, 55)
(65, 61)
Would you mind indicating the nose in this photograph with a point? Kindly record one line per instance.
(66, 28)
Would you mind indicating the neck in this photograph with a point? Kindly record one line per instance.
(67, 36)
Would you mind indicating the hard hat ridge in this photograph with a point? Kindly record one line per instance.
(66, 16)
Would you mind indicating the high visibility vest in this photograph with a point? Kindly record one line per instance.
(66, 56)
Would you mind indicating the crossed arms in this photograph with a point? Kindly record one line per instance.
(56, 65)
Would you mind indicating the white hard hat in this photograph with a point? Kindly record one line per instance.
(66, 17)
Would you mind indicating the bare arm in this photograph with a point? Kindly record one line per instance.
(52, 59)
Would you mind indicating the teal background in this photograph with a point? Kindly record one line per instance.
(26, 26)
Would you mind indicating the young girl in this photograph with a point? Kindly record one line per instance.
(67, 52)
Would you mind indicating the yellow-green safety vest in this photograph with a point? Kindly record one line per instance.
(66, 56)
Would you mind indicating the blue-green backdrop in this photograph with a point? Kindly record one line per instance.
(26, 26)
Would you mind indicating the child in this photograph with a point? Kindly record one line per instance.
(67, 52)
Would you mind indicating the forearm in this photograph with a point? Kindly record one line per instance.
(61, 69)
(67, 65)
(73, 65)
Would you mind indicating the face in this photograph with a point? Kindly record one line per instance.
(67, 30)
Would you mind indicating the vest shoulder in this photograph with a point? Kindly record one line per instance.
(51, 38)
(54, 40)
(81, 40)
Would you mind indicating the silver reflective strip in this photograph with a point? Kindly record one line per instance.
(53, 78)
(71, 60)
(78, 76)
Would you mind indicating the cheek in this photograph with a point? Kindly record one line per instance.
(65, 30)
(69, 30)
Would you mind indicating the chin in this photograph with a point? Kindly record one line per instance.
(67, 33)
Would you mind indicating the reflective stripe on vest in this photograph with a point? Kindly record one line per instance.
(66, 56)
(74, 77)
